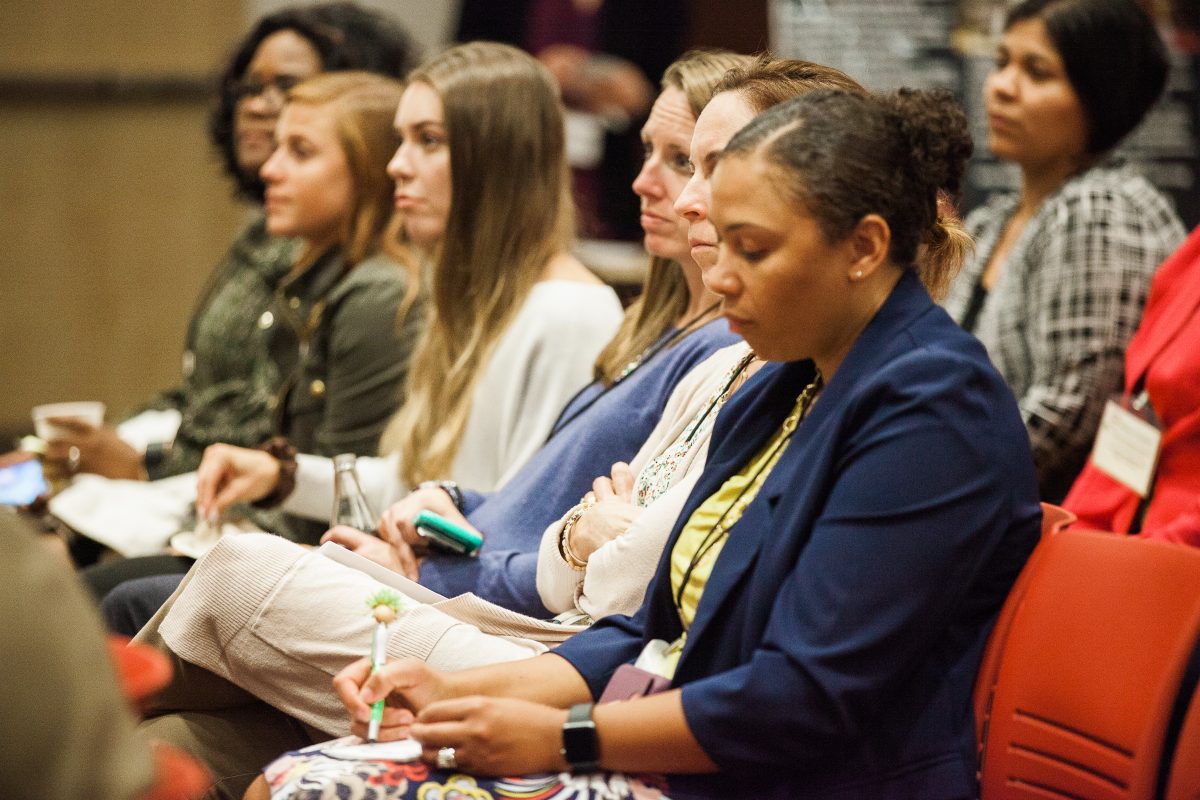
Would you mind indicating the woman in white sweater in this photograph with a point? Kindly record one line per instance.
(516, 322)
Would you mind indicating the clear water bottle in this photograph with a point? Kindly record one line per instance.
(350, 505)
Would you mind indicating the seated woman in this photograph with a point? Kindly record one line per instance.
(1157, 494)
(1061, 269)
(344, 300)
(826, 594)
(236, 368)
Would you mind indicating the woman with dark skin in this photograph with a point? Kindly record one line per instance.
(1061, 269)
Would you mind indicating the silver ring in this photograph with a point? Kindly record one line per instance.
(73, 457)
(446, 759)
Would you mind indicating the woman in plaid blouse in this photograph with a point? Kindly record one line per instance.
(1062, 268)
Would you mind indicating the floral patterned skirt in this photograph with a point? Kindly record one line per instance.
(318, 773)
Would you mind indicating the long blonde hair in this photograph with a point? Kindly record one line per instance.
(665, 295)
(363, 105)
(510, 213)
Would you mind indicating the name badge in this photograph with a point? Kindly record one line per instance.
(1127, 445)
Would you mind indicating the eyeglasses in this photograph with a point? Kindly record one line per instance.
(245, 88)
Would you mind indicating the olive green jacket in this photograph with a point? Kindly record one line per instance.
(318, 357)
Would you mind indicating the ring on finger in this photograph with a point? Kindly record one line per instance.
(446, 758)
(73, 458)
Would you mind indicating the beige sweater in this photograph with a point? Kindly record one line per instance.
(279, 621)
(618, 572)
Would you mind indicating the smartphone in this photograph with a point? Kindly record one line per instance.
(447, 535)
(22, 483)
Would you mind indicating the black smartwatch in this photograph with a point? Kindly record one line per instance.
(581, 747)
(450, 488)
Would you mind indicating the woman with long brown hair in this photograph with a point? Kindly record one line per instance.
(515, 321)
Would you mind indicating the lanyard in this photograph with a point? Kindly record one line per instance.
(693, 324)
(720, 530)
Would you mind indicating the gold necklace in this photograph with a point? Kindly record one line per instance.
(720, 529)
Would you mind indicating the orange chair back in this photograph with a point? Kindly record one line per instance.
(142, 672)
(1184, 783)
(1090, 667)
(1054, 519)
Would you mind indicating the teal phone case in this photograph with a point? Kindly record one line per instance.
(447, 535)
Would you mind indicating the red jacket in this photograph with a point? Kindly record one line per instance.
(1165, 354)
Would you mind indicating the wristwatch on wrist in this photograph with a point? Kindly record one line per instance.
(283, 451)
(581, 746)
(450, 488)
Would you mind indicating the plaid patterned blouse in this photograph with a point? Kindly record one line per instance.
(1069, 297)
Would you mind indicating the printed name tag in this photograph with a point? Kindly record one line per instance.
(1127, 448)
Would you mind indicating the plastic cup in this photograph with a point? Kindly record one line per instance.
(89, 411)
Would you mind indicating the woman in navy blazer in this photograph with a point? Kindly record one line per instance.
(834, 646)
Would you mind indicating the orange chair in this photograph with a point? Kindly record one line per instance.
(1089, 669)
(1184, 770)
(1054, 519)
(142, 672)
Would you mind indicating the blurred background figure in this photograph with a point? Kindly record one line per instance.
(607, 56)
(67, 731)
(1162, 387)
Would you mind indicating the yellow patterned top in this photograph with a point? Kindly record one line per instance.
(706, 531)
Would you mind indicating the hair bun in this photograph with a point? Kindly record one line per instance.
(935, 128)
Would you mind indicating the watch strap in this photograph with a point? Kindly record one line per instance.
(449, 487)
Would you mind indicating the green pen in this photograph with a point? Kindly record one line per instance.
(385, 606)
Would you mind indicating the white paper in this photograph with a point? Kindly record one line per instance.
(1126, 448)
(399, 750)
(134, 518)
(410, 589)
(196, 543)
(656, 658)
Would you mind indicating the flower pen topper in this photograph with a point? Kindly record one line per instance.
(385, 607)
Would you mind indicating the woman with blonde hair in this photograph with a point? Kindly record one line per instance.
(342, 321)
(230, 378)
(515, 321)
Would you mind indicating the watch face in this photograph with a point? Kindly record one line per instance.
(581, 747)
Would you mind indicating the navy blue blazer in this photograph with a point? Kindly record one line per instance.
(835, 646)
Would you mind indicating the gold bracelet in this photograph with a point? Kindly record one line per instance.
(564, 541)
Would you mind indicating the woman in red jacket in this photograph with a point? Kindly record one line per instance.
(1162, 374)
